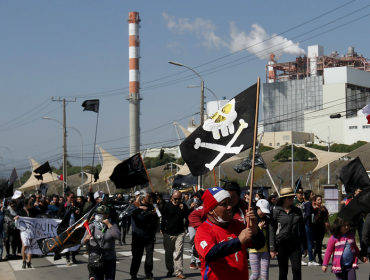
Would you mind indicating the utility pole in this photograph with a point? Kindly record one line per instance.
(201, 120)
(328, 151)
(293, 167)
(64, 137)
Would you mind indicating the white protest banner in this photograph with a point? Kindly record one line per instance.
(37, 228)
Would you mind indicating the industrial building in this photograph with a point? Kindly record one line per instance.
(301, 95)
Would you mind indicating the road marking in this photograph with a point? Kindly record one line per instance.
(128, 254)
(61, 263)
(17, 265)
(163, 251)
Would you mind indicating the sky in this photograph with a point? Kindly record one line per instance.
(79, 49)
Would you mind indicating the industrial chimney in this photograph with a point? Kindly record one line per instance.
(134, 79)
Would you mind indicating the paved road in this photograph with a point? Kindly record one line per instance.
(46, 268)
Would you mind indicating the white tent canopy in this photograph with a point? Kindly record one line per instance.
(323, 157)
(32, 181)
(109, 163)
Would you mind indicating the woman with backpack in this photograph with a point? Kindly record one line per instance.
(287, 234)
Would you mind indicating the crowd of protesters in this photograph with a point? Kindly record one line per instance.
(289, 227)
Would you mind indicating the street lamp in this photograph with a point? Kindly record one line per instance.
(218, 102)
(327, 142)
(64, 149)
(201, 102)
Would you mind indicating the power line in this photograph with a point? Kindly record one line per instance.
(295, 27)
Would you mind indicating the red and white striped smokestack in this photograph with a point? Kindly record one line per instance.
(272, 71)
(134, 79)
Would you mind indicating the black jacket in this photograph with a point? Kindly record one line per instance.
(279, 224)
(144, 223)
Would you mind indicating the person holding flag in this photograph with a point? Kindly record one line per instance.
(102, 239)
(75, 216)
(221, 241)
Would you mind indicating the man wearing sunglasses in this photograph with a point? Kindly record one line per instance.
(173, 215)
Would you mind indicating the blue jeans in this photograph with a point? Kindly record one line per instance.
(309, 234)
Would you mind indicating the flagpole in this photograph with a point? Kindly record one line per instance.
(146, 172)
(254, 145)
(268, 173)
(96, 131)
(214, 176)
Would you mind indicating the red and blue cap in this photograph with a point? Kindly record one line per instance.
(214, 196)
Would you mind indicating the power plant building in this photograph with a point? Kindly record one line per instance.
(303, 94)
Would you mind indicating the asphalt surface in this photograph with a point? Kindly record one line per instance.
(46, 268)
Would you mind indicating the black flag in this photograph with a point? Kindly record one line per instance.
(67, 189)
(43, 189)
(13, 177)
(246, 163)
(353, 175)
(91, 105)
(6, 189)
(42, 169)
(228, 132)
(96, 175)
(3, 189)
(184, 181)
(129, 173)
(357, 206)
(39, 177)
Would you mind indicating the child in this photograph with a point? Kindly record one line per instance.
(342, 245)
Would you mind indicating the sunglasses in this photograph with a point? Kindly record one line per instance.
(177, 198)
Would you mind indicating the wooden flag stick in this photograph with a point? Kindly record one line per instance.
(214, 176)
(146, 172)
(254, 146)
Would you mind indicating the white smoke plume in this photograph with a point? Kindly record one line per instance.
(257, 41)
(204, 29)
(261, 44)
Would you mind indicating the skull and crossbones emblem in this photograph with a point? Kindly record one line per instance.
(222, 121)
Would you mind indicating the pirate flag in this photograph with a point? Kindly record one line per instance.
(353, 175)
(228, 132)
(91, 105)
(246, 163)
(129, 173)
(70, 237)
(184, 181)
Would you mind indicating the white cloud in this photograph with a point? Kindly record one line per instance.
(257, 41)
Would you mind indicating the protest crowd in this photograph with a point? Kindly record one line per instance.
(225, 227)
